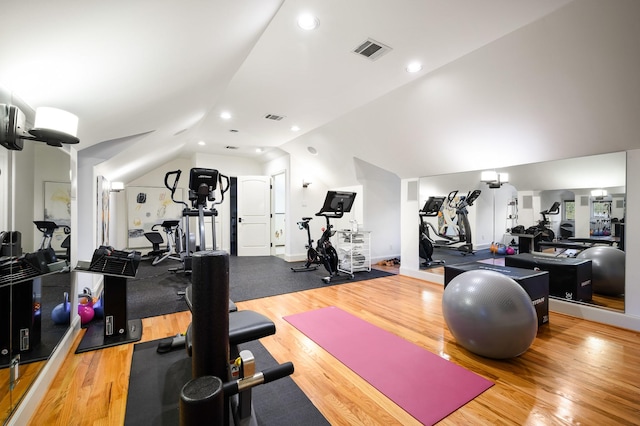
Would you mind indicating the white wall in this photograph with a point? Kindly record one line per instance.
(381, 209)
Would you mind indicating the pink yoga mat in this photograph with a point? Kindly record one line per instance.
(425, 385)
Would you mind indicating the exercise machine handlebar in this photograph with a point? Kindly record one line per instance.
(463, 200)
(262, 377)
(202, 400)
(174, 186)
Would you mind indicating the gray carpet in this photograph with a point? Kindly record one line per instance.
(452, 257)
(154, 290)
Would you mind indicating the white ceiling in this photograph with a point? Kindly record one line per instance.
(165, 70)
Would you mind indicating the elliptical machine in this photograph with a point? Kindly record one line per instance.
(203, 184)
(425, 249)
(462, 241)
(336, 204)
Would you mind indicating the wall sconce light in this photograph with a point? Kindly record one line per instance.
(598, 194)
(305, 183)
(52, 126)
(494, 179)
(117, 186)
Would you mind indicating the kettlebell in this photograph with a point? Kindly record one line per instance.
(98, 307)
(85, 306)
(61, 313)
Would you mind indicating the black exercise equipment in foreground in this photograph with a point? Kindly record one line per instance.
(220, 391)
(336, 204)
(431, 208)
(462, 241)
(202, 188)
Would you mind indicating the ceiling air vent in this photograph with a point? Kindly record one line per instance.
(371, 49)
(274, 117)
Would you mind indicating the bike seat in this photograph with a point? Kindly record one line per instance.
(154, 237)
(170, 223)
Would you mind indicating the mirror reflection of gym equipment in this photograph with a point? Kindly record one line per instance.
(453, 230)
(21, 308)
(577, 185)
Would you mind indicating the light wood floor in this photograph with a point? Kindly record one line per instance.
(576, 372)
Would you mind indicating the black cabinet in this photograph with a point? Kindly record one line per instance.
(535, 283)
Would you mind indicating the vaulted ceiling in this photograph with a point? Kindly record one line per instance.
(151, 78)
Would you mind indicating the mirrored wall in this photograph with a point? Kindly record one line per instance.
(590, 192)
(35, 188)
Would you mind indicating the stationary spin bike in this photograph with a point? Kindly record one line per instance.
(546, 233)
(312, 255)
(48, 228)
(336, 203)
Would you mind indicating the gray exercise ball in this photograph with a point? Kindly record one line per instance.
(489, 314)
(607, 269)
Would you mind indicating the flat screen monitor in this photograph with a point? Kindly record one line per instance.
(200, 176)
(338, 202)
(433, 205)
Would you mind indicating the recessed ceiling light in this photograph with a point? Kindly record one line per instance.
(201, 143)
(308, 22)
(225, 115)
(258, 150)
(312, 150)
(295, 128)
(414, 67)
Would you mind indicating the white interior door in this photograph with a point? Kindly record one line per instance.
(254, 209)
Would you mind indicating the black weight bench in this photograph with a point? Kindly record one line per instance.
(155, 238)
(244, 326)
